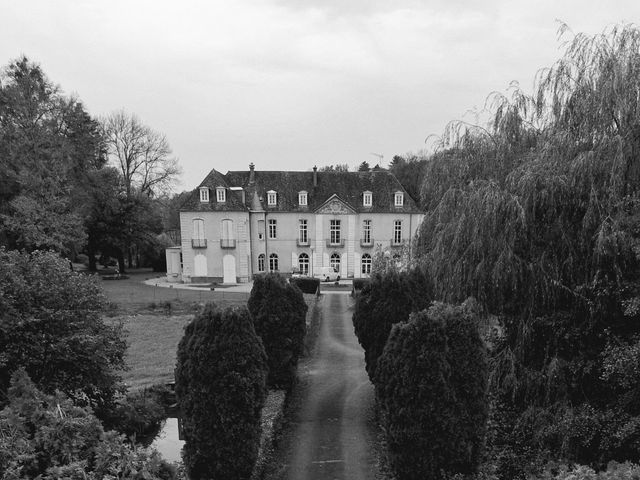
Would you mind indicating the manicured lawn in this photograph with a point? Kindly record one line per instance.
(153, 340)
(154, 319)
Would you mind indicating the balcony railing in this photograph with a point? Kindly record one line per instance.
(338, 244)
(395, 243)
(227, 243)
(366, 244)
(198, 243)
(301, 243)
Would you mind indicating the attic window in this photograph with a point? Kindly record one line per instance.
(367, 199)
(399, 199)
(204, 194)
(272, 198)
(221, 194)
(302, 198)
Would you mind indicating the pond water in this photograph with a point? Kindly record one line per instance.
(167, 441)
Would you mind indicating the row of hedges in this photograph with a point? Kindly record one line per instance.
(306, 284)
(226, 360)
(429, 368)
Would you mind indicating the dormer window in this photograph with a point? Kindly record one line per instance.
(272, 198)
(221, 194)
(399, 199)
(204, 194)
(367, 199)
(302, 198)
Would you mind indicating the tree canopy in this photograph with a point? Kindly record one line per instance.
(537, 215)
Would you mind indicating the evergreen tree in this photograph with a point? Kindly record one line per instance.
(220, 386)
(387, 299)
(279, 314)
(432, 388)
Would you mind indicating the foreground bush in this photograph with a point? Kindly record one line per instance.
(51, 325)
(220, 387)
(48, 437)
(279, 314)
(388, 298)
(431, 383)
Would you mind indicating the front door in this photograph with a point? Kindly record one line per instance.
(229, 269)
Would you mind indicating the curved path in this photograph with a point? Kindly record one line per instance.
(331, 430)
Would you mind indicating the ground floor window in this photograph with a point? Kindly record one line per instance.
(303, 263)
(366, 263)
(273, 262)
(261, 262)
(334, 261)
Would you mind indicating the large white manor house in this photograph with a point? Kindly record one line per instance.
(246, 222)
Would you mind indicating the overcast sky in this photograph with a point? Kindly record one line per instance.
(288, 84)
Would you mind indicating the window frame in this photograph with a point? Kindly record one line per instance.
(367, 196)
(366, 231)
(303, 199)
(204, 194)
(261, 262)
(221, 195)
(272, 198)
(273, 261)
(303, 231)
(273, 229)
(335, 231)
(397, 232)
(365, 264)
(335, 264)
(398, 199)
(304, 263)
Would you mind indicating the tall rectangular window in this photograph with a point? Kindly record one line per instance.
(399, 199)
(335, 231)
(272, 228)
(272, 198)
(204, 194)
(302, 198)
(366, 231)
(397, 231)
(303, 232)
(367, 199)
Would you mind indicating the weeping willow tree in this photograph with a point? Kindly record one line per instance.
(537, 215)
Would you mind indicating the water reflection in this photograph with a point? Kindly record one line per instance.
(167, 441)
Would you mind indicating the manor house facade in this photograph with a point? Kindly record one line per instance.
(247, 222)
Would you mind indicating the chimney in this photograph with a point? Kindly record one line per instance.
(315, 176)
(252, 174)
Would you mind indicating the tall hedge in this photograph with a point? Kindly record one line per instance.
(279, 314)
(387, 299)
(220, 387)
(431, 383)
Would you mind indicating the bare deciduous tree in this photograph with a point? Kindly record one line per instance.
(142, 155)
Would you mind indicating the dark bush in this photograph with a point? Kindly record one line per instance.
(359, 284)
(51, 325)
(387, 299)
(279, 314)
(220, 387)
(306, 284)
(431, 383)
(140, 413)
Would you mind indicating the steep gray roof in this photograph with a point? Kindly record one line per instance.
(348, 186)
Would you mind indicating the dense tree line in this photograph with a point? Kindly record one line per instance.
(74, 183)
(537, 216)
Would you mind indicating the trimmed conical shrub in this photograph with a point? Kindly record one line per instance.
(279, 314)
(220, 386)
(431, 383)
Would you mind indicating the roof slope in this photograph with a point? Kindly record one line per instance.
(348, 186)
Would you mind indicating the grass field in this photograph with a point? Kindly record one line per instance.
(154, 319)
